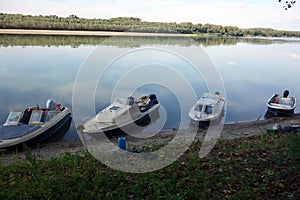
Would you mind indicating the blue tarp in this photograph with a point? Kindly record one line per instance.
(15, 131)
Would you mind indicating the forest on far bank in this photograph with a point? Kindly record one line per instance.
(131, 24)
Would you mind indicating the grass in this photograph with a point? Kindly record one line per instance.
(259, 167)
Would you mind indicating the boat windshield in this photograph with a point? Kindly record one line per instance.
(115, 108)
(199, 108)
(36, 117)
(51, 115)
(208, 109)
(40, 117)
(120, 100)
(123, 101)
(13, 118)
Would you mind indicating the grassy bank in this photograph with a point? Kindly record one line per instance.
(259, 167)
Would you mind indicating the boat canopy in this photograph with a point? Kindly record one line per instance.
(12, 132)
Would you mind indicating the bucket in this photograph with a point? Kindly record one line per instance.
(275, 127)
(122, 143)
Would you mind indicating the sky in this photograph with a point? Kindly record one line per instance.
(241, 13)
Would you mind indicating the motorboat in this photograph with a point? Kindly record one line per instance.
(121, 114)
(34, 124)
(209, 107)
(280, 105)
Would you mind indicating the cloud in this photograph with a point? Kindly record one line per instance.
(239, 5)
(294, 55)
(295, 19)
(230, 62)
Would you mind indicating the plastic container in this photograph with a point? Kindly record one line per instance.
(122, 143)
(275, 127)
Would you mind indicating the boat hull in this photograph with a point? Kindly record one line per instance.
(136, 126)
(281, 112)
(39, 133)
(207, 122)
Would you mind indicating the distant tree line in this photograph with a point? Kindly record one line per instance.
(127, 24)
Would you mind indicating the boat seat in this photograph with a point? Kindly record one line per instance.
(285, 101)
(143, 101)
(149, 105)
(26, 116)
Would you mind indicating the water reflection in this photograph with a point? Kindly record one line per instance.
(127, 41)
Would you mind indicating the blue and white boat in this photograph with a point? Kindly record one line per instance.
(34, 124)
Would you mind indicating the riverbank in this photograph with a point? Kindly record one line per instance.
(264, 166)
(230, 131)
(89, 33)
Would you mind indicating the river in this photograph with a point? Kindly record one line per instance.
(36, 68)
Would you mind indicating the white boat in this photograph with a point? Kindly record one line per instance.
(208, 108)
(34, 125)
(282, 104)
(120, 114)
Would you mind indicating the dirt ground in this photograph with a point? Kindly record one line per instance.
(230, 131)
(88, 33)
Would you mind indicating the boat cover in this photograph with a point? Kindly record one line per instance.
(12, 132)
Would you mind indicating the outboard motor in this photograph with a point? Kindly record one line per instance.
(286, 93)
(130, 101)
(51, 104)
(152, 96)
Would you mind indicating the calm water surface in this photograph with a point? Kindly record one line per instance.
(33, 70)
